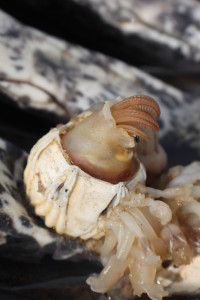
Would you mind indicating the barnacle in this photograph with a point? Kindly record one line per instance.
(87, 179)
(89, 163)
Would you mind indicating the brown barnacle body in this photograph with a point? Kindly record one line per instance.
(104, 143)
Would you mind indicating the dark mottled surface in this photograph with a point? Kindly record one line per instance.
(162, 37)
(43, 80)
(29, 252)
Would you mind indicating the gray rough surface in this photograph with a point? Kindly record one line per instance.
(38, 71)
(173, 23)
(46, 73)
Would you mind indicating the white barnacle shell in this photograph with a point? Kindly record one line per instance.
(85, 179)
(70, 200)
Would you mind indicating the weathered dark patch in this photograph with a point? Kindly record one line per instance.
(25, 222)
(2, 189)
(1, 204)
(10, 156)
(3, 75)
(17, 50)
(13, 33)
(79, 93)
(15, 57)
(7, 174)
(111, 89)
(41, 187)
(73, 99)
(59, 187)
(13, 191)
(18, 68)
(6, 223)
(89, 77)
(43, 62)
(24, 100)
